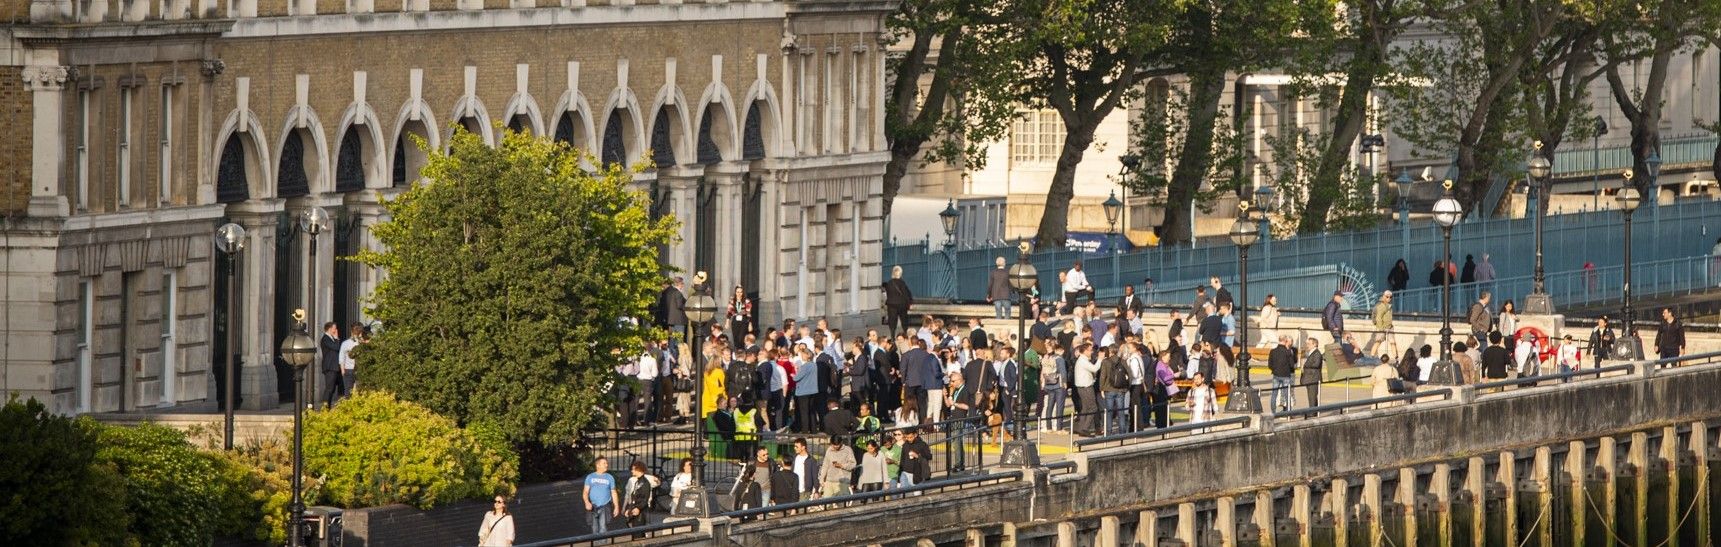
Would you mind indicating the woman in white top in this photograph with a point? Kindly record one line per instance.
(1203, 403)
(1268, 320)
(1425, 364)
(1525, 356)
(498, 527)
(1568, 356)
(1508, 322)
(682, 480)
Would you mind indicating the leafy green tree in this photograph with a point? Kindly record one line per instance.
(374, 449)
(1086, 58)
(1655, 31)
(53, 491)
(173, 492)
(962, 106)
(1161, 134)
(509, 279)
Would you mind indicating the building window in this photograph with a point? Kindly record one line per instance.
(1036, 137)
(82, 164)
(86, 330)
(124, 198)
(166, 144)
(169, 342)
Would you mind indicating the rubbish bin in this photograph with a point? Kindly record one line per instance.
(322, 526)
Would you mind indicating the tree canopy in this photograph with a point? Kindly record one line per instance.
(510, 278)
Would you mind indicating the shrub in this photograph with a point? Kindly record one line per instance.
(172, 491)
(374, 449)
(52, 490)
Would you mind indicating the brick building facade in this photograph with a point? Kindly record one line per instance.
(145, 125)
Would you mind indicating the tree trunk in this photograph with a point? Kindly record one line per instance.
(909, 130)
(1195, 160)
(1055, 221)
(1328, 182)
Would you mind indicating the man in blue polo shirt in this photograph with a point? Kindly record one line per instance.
(599, 494)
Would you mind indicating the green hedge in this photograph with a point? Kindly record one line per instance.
(373, 449)
(52, 489)
(172, 490)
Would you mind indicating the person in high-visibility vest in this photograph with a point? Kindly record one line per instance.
(747, 428)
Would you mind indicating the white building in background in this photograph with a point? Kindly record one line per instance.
(1004, 198)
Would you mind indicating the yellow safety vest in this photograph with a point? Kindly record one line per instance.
(745, 426)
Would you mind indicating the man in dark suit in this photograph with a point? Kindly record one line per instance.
(668, 310)
(1313, 360)
(897, 300)
(914, 362)
(977, 335)
(1129, 301)
(333, 388)
(1283, 362)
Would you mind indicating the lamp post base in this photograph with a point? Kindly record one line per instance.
(695, 502)
(1538, 304)
(1445, 373)
(1020, 453)
(1243, 399)
(1629, 348)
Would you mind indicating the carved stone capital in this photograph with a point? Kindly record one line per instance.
(213, 67)
(46, 78)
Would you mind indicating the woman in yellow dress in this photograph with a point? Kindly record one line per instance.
(714, 388)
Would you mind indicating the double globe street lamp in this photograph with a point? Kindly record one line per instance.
(1020, 450)
(1245, 232)
(230, 240)
(1629, 346)
(1447, 212)
(695, 499)
(1538, 302)
(298, 350)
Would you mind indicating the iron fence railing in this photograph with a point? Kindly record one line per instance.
(1576, 288)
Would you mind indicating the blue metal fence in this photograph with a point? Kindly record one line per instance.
(1577, 288)
(1683, 229)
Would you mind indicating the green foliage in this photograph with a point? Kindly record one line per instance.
(374, 449)
(507, 276)
(1160, 136)
(172, 491)
(1295, 158)
(52, 489)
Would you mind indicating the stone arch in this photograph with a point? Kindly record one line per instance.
(406, 158)
(469, 112)
(623, 131)
(303, 136)
(717, 137)
(573, 123)
(763, 100)
(359, 128)
(670, 126)
(245, 158)
(522, 114)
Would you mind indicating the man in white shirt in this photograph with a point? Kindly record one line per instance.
(1076, 284)
(348, 366)
(1137, 379)
(647, 375)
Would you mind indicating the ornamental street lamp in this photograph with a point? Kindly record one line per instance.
(1447, 213)
(694, 501)
(230, 240)
(1245, 232)
(1600, 130)
(313, 222)
(1371, 144)
(1112, 207)
(1652, 192)
(1538, 302)
(1021, 450)
(298, 350)
(949, 216)
(1404, 186)
(1628, 200)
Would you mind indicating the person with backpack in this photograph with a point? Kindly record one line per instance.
(1114, 391)
(740, 378)
(1052, 389)
(1087, 385)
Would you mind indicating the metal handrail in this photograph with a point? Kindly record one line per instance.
(1444, 393)
(1552, 377)
(622, 534)
(866, 496)
(1682, 360)
(1162, 432)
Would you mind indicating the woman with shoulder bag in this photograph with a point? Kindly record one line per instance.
(498, 527)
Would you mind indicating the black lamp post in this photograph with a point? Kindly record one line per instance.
(1628, 200)
(1244, 233)
(1404, 186)
(1600, 130)
(298, 350)
(694, 501)
(1112, 208)
(1652, 192)
(1021, 451)
(1370, 144)
(1538, 302)
(230, 240)
(949, 217)
(1447, 213)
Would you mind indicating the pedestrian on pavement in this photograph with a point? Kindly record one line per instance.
(1076, 284)
(1438, 276)
(1313, 361)
(1508, 323)
(1200, 310)
(1399, 278)
(998, 290)
(1496, 360)
(1052, 390)
(916, 459)
(1468, 273)
(1129, 302)
(638, 495)
(1087, 375)
(1670, 336)
(1282, 361)
(1221, 295)
(349, 367)
(1268, 319)
(1567, 356)
(1480, 318)
(897, 300)
(1484, 270)
(806, 469)
(839, 462)
(872, 468)
(497, 530)
(1466, 363)
(1203, 402)
(1333, 317)
(1601, 340)
(1165, 386)
(334, 388)
(599, 493)
(1382, 318)
(1114, 382)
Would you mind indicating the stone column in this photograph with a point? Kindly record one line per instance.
(683, 196)
(1339, 503)
(1371, 502)
(1440, 488)
(1542, 475)
(1506, 476)
(1475, 482)
(370, 213)
(1575, 472)
(257, 337)
(1407, 504)
(47, 85)
(1108, 534)
(771, 256)
(1264, 518)
(728, 178)
(1638, 457)
(1147, 528)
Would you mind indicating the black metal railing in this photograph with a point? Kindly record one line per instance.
(941, 485)
(665, 528)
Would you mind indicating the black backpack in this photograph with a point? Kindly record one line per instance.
(1118, 375)
(742, 378)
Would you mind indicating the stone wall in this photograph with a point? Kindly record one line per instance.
(541, 512)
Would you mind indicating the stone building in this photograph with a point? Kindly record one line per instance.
(149, 124)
